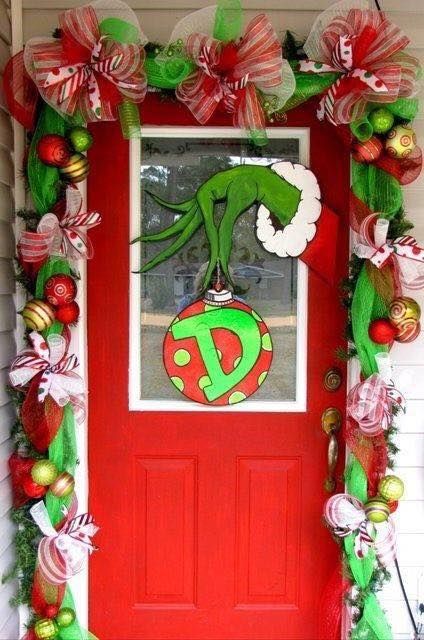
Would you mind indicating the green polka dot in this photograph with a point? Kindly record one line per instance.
(368, 74)
(236, 396)
(204, 381)
(237, 362)
(262, 377)
(178, 382)
(182, 357)
(266, 342)
(256, 316)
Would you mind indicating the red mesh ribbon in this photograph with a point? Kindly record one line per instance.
(405, 170)
(331, 607)
(19, 469)
(370, 452)
(20, 92)
(41, 420)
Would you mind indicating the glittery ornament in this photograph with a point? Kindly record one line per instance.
(76, 169)
(63, 485)
(65, 617)
(404, 314)
(381, 120)
(44, 472)
(382, 331)
(68, 313)
(31, 488)
(38, 315)
(60, 289)
(80, 138)
(46, 629)
(400, 141)
(377, 510)
(391, 488)
(368, 151)
(54, 150)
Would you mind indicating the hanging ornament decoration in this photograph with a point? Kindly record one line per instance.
(60, 289)
(95, 64)
(62, 554)
(75, 169)
(291, 219)
(65, 617)
(381, 331)
(217, 351)
(381, 120)
(377, 510)
(65, 237)
(368, 151)
(31, 488)
(63, 485)
(46, 629)
(54, 150)
(401, 141)
(391, 488)
(368, 52)
(404, 314)
(370, 404)
(243, 74)
(38, 315)
(44, 472)
(68, 313)
(80, 139)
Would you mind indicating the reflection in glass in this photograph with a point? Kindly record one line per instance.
(174, 169)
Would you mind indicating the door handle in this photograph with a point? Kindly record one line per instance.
(331, 421)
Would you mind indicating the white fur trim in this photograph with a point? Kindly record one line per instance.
(292, 240)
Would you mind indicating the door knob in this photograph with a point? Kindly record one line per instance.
(331, 421)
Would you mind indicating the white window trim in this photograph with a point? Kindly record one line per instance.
(135, 402)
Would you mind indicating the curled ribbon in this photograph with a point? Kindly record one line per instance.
(403, 253)
(367, 50)
(370, 403)
(62, 554)
(67, 237)
(58, 380)
(87, 71)
(345, 514)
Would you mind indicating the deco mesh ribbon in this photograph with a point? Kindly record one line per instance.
(345, 514)
(243, 74)
(367, 50)
(370, 404)
(95, 65)
(65, 237)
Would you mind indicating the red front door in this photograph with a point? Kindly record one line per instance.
(211, 522)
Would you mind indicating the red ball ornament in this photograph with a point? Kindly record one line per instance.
(54, 150)
(393, 505)
(68, 313)
(382, 331)
(60, 289)
(31, 488)
(368, 151)
(51, 611)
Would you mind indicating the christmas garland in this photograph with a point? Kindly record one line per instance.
(97, 68)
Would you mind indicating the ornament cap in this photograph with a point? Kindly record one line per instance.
(218, 298)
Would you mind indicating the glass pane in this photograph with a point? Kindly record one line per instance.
(173, 169)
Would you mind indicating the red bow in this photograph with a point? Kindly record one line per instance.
(85, 71)
(367, 49)
(230, 74)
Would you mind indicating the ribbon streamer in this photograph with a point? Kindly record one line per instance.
(58, 379)
(65, 237)
(62, 554)
(367, 50)
(345, 515)
(370, 404)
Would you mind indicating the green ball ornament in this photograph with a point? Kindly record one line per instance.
(46, 629)
(65, 617)
(377, 510)
(80, 138)
(381, 120)
(44, 472)
(391, 488)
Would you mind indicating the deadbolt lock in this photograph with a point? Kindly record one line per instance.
(332, 379)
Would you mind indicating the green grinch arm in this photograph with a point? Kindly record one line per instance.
(173, 229)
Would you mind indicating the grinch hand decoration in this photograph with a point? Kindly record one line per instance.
(368, 51)
(96, 64)
(245, 76)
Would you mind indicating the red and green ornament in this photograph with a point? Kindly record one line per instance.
(60, 289)
(218, 350)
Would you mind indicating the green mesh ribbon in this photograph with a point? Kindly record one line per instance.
(404, 108)
(228, 20)
(379, 190)
(44, 181)
(308, 85)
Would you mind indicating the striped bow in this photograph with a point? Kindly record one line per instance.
(345, 514)
(67, 237)
(58, 379)
(367, 50)
(403, 253)
(370, 403)
(86, 71)
(62, 554)
(231, 74)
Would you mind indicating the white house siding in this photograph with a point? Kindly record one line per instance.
(157, 19)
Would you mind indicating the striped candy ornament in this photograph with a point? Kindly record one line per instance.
(38, 315)
(76, 169)
(368, 151)
(377, 510)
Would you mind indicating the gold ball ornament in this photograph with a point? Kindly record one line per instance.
(76, 170)
(405, 314)
(44, 472)
(65, 617)
(400, 141)
(381, 120)
(38, 315)
(46, 629)
(377, 510)
(391, 488)
(63, 485)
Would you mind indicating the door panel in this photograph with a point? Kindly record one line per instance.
(211, 521)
